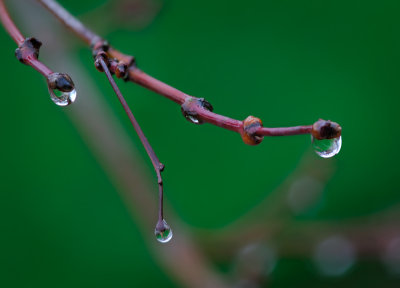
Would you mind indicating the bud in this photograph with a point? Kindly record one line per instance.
(250, 126)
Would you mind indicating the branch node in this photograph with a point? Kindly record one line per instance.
(99, 46)
(191, 106)
(29, 49)
(250, 126)
(326, 129)
(101, 55)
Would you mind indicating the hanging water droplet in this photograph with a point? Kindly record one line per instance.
(192, 119)
(62, 98)
(61, 88)
(163, 232)
(327, 148)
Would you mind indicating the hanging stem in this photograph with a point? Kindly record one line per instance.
(158, 166)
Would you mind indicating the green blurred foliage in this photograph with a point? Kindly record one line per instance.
(288, 62)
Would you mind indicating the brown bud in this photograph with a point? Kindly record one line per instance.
(28, 49)
(121, 71)
(250, 126)
(100, 46)
(97, 62)
(326, 129)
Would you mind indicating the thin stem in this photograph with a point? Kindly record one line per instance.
(9, 25)
(39, 66)
(14, 32)
(158, 166)
(149, 82)
(285, 131)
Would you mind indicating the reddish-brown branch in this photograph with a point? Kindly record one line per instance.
(285, 131)
(28, 58)
(40, 67)
(145, 80)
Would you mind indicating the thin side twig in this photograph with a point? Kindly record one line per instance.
(158, 166)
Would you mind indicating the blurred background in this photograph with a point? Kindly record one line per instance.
(78, 193)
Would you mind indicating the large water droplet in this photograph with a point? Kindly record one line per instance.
(326, 148)
(163, 232)
(62, 98)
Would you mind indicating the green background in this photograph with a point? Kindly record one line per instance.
(288, 62)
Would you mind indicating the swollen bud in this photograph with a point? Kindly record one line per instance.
(250, 126)
(326, 129)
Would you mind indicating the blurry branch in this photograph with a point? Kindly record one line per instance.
(272, 215)
(132, 15)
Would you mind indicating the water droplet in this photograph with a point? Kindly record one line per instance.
(326, 148)
(62, 98)
(61, 88)
(192, 119)
(334, 256)
(163, 232)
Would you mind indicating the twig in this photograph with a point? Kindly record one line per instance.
(182, 260)
(28, 54)
(190, 105)
(158, 166)
(28, 50)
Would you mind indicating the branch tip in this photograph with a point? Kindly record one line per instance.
(326, 129)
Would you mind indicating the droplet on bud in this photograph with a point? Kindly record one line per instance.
(163, 232)
(61, 88)
(189, 109)
(326, 148)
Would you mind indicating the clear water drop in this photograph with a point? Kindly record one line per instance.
(192, 119)
(163, 232)
(61, 98)
(326, 148)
